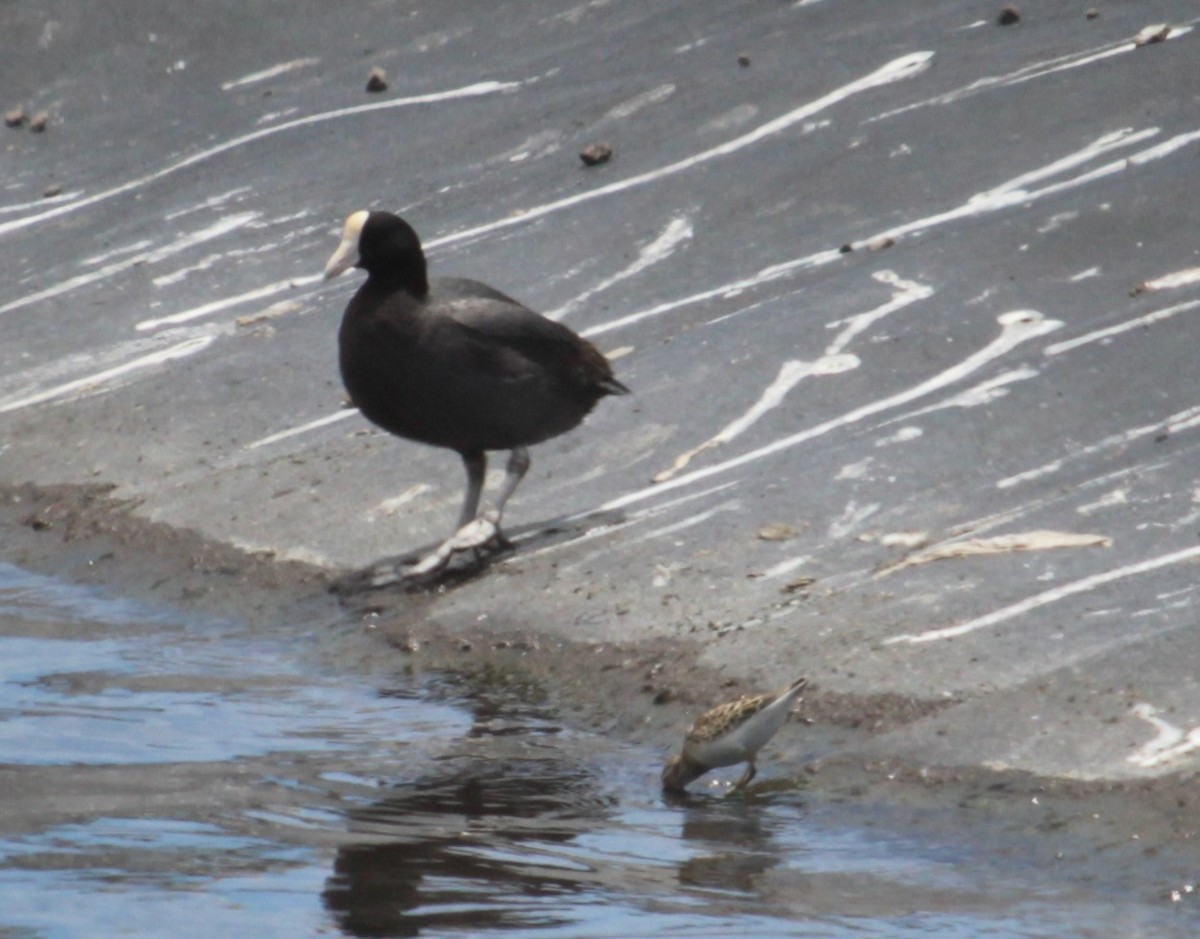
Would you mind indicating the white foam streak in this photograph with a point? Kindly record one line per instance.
(1179, 421)
(984, 393)
(280, 69)
(907, 292)
(677, 232)
(1054, 595)
(1169, 742)
(1098, 335)
(1028, 73)
(303, 428)
(689, 522)
(1016, 327)
(1184, 278)
(95, 382)
(1124, 137)
(216, 306)
(481, 88)
(897, 70)
(216, 230)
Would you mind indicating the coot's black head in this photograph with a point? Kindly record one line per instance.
(386, 247)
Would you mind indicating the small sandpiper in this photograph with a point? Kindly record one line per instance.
(731, 733)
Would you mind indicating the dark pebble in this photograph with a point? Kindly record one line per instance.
(595, 154)
(1008, 16)
(744, 61)
(377, 80)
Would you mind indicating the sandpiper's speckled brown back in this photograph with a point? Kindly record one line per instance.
(725, 717)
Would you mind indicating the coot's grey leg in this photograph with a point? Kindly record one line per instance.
(514, 472)
(476, 467)
(475, 530)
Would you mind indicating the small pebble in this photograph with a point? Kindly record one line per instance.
(744, 61)
(595, 154)
(51, 191)
(39, 122)
(1092, 13)
(1008, 16)
(1152, 34)
(846, 248)
(14, 118)
(879, 244)
(377, 80)
(777, 532)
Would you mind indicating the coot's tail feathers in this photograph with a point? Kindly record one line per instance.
(610, 386)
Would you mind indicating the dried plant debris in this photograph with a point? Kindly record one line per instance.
(1000, 544)
(595, 154)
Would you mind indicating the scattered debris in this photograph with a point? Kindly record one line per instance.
(377, 80)
(1008, 16)
(1152, 34)
(777, 532)
(39, 122)
(595, 154)
(282, 308)
(16, 117)
(743, 60)
(798, 585)
(1000, 544)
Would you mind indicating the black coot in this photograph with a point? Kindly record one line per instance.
(454, 363)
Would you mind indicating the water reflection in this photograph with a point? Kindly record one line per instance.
(469, 847)
(733, 846)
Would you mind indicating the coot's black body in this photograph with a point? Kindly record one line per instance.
(453, 362)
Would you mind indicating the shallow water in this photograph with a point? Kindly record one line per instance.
(168, 774)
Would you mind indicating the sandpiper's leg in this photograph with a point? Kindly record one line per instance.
(751, 772)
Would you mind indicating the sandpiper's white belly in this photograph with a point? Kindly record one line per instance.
(741, 743)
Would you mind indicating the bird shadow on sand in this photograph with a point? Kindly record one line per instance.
(397, 573)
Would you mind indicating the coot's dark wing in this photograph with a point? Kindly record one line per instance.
(501, 322)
